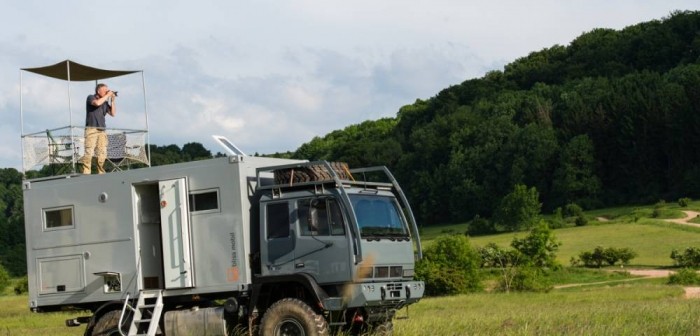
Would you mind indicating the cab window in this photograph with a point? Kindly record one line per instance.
(277, 220)
(320, 217)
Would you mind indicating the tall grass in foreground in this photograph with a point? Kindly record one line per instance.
(17, 320)
(643, 309)
(631, 309)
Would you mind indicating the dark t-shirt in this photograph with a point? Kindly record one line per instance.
(95, 116)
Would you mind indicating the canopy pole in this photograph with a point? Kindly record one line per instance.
(145, 111)
(70, 120)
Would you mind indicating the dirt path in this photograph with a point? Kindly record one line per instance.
(690, 292)
(688, 216)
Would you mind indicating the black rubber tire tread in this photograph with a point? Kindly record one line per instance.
(107, 324)
(311, 173)
(313, 324)
(341, 169)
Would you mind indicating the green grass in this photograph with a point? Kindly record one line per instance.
(653, 240)
(633, 308)
(17, 320)
(644, 309)
(612, 303)
(630, 226)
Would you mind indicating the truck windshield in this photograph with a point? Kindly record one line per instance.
(378, 216)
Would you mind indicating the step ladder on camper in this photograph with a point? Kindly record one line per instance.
(149, 308)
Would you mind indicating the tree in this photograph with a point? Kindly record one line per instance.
(519, 210)
(193, 151)
(539, 248)
(575, 180)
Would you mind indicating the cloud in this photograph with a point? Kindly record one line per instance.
(272, 75)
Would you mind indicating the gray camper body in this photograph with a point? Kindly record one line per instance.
(219, 229)
(184, 228)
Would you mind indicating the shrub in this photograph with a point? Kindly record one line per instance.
(610, 256)
(581, 221)
(573, 210)
(539, 247)
(450, 266)
(683, 201)
(440, 280)
(557, 221)
(685, 276)
(625, 255)
(480, 226)
(22, 285)
(526, 279)
(4, 279)
(494, 256)
(690, 257)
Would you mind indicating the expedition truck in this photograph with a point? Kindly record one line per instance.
(224, 246)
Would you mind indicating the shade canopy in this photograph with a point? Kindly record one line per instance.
(78, 72)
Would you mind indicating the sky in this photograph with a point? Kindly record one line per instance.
(271, 75)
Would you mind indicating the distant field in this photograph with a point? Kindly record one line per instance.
(652, 238)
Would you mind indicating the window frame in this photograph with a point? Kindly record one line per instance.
(192, 202)
(268, 221)
(45, 221)
(331, 208)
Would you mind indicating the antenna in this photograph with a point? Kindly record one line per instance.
(228, 145)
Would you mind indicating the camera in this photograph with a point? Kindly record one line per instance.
(115, 93)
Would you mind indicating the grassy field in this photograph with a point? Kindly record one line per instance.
(620, 306)
(652, 238)
(645, 307)
(16, 319)
(633, 309)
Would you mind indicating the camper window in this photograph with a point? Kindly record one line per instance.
(58, 217)
(207, 200)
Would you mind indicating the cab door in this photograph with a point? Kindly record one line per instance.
(175, 234)
(322, 249)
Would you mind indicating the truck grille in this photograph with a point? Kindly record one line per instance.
(380, 272)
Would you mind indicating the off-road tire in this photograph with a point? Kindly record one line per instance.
(292, 317)
(107, 325)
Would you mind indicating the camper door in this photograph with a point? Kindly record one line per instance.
(175, 233)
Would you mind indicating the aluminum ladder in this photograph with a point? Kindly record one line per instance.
(147, 313)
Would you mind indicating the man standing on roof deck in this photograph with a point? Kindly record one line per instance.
(98, 105)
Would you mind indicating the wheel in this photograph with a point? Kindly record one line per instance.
(292, 317)
(107, 325)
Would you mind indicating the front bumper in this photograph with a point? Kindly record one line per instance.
(395, 294)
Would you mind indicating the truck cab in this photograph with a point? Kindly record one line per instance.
(341, 239)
